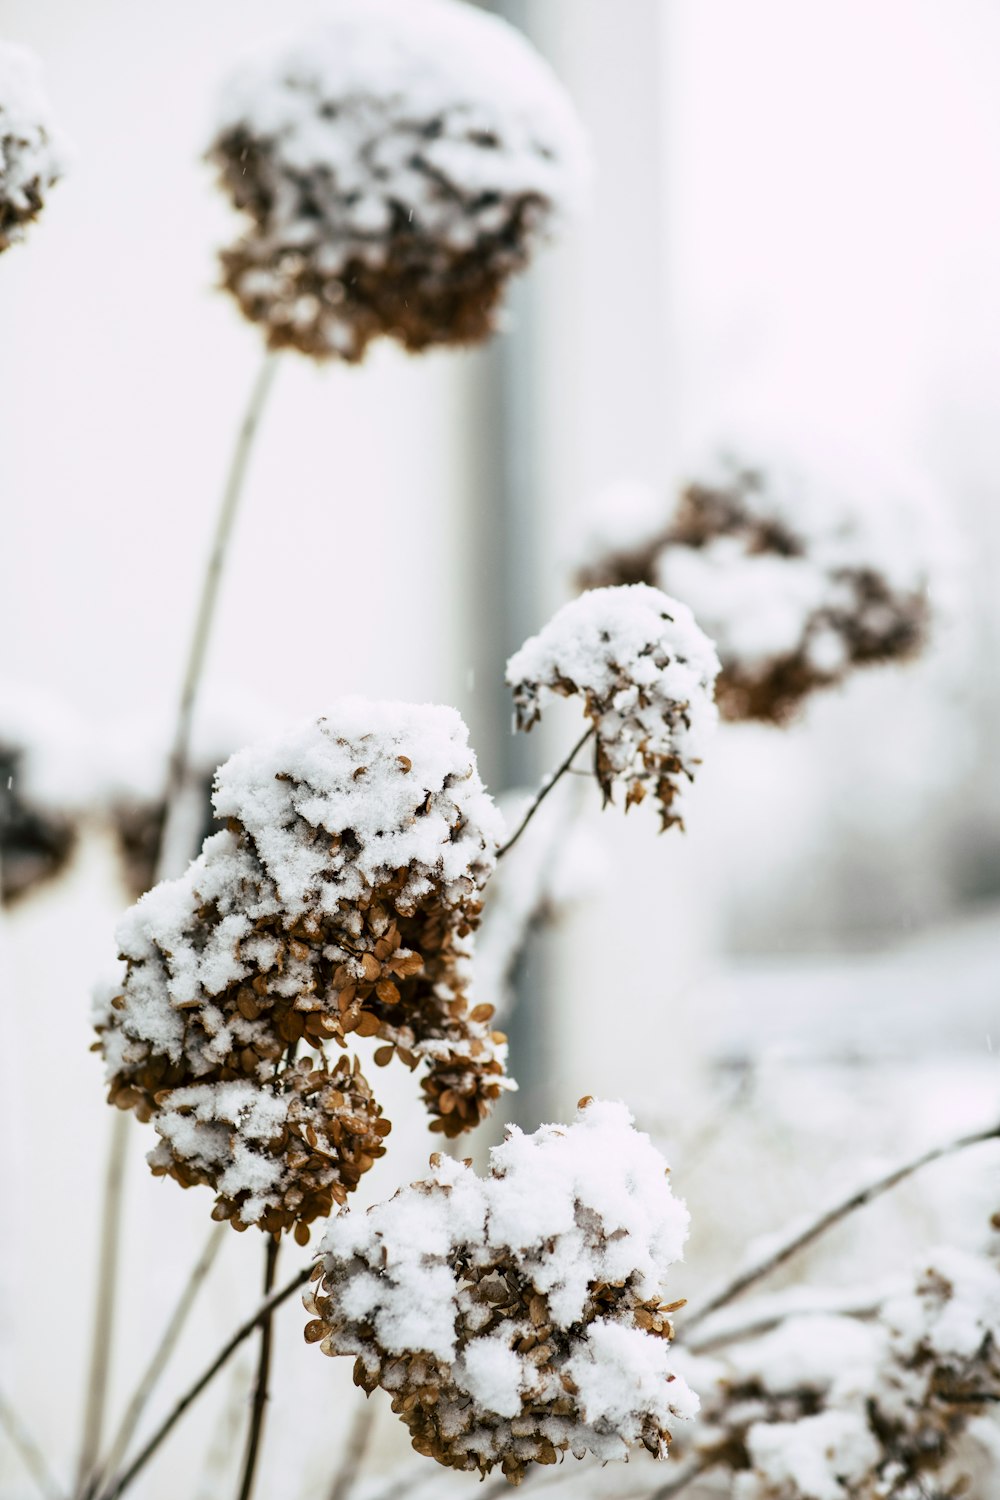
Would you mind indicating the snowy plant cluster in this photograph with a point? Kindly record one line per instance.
(33, 153)
(519, 1315)
(398, 163)
(646, 674)
(42, 787)
(339, 899)
(836, 1407)
(800, 569)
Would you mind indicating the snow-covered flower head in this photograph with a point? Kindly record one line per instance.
(799, 564)
(340, 898)
(47, 783)
(520, 1315)
(398, 162)
(645, 672)
(32, 152)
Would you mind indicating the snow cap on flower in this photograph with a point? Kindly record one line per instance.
(398, 163)
(646, 674)
(32, 151)
(519, 1315)
(340, 898)
(801, 564)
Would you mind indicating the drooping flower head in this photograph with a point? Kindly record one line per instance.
(516, 1316)
(645, 672)
(801, 568)
(340, 899)
(398, 164)
(32, 151)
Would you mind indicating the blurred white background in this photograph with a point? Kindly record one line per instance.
(795, 207)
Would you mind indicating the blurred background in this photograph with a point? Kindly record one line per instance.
(793, 207)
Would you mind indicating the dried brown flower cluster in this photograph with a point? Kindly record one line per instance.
(514, 1317)
(873, 1410)
(36, 840)
(645, 672)
(398, 165)
(31, 149)
(339, 901)
(796, 586)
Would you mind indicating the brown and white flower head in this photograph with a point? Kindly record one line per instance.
(47, 782)
(340, 899)
(800, 568)
(841, 1408)
(32, 151)
(398, 163)
(517, 1316)
(645, 672)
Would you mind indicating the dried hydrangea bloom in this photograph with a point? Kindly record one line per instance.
(800, 570)
(645, 672)
(340, 899)
(47, 780)
(32, 152)
(276, 1158)
(397, 164)
(831, 1407)
(517, 1316)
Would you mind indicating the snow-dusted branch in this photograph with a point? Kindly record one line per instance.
(256, 1320)
(546, 787)
(827, 1220)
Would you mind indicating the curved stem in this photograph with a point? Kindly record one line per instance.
(170, 859)
(180, 751)
(354, 1453)
(263, 1372)
(828, 1219)
(104, 1307)
(545, 789)
(30, 1453)
(135, 1468)
(158, 1362)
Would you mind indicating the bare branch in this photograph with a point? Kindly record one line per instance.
(544, 790)
(28, 1450)
(260, 1392)
(104, 1303)
(354, 1453)
(161, 1355)
(827, 1220)
(263, 1313)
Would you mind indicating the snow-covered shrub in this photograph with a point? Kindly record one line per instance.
(398, 163)
(645, 672)
(519, 1315)
(32, 151)
(833, 1407)
(799, 567)
(340, 899)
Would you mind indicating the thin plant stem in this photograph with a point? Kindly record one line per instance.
(170, 857)
(545, 789)
(354, 1453)
(827, 1220)
(28, 1450)
(135, 1468)
(686, 1477)
(161, 1356)
(260, 1393)
(180, 752)
(104, 1308)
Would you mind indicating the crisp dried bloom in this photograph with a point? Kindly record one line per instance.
(32, 152)
(514, 1317)
(799, 573)
(397, 164)
(340, 899)
(278, 1158)
(832, 1408)
(645, 672)
(47, 779)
